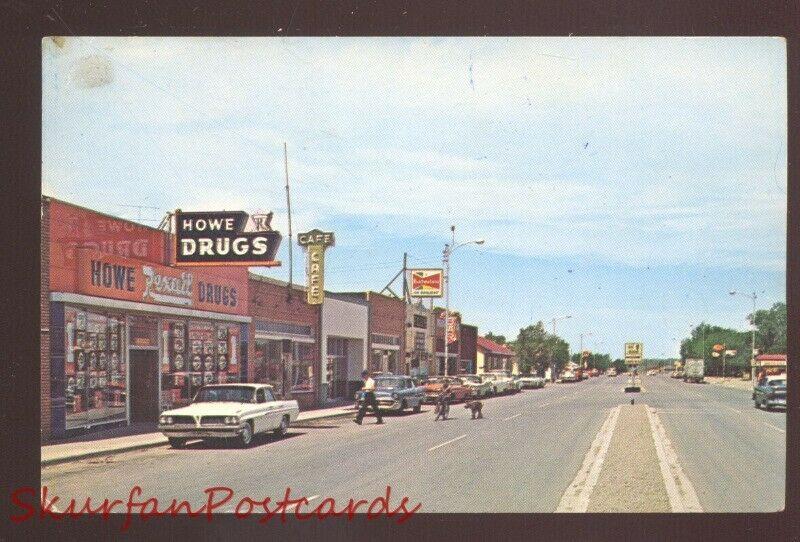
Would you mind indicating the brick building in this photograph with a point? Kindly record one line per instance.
(387, 332)
(126, 335)
(420, 327)
(285, 350)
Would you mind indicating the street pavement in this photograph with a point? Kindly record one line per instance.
(524, 455)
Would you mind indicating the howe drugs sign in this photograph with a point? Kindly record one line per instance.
(427, 282)
(225, 238)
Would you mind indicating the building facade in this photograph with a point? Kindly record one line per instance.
(468, 349)
(492, 356)
(128, 335)
(344, 340)
(285, 349)
(420, 327)
(462, 353)
(387, 336)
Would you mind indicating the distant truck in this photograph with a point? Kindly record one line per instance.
(694, 370)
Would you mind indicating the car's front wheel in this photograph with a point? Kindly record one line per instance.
(418, 407)
(246, 436)
(283, 428)
(176, 442)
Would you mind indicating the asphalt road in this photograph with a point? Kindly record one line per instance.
(520, 458)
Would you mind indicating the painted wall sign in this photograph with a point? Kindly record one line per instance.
(315, 242)
(225, 238)
(427, 282)
(108, 275)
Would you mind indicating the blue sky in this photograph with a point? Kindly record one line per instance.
(629, 182)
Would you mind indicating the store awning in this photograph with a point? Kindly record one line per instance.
(132, 306)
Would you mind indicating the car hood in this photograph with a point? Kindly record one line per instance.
(433, 387)
(207, 409)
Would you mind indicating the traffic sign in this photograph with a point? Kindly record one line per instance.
(634, 353)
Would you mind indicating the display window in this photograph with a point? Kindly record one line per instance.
(95, 379)
(196, 353)
(287, 370)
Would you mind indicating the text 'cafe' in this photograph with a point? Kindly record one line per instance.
(129, 334)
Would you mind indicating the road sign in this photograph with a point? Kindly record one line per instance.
(634, 353)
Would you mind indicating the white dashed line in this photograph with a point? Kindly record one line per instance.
(512, 417)
(446, 443)
(309, 499)
(576, 497)
(775, 428)
(682, 497)
(543, 405)
(733, 409)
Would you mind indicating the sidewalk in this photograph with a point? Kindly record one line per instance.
(140, 436)
(730, 382)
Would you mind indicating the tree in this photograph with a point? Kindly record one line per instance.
(499, 339)
(531, 349)
(701, 344)
(770, 329)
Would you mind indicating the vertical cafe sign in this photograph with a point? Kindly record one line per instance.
(315, 242)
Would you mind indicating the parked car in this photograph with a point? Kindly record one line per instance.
(529, 381)
(594, 372)
(228, 411)
(433, 387)
(499, 381)
(395, 392)
(478, 386)
(770, 392)
(568, 376)
(611, 372)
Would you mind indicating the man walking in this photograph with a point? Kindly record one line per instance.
(368, 400)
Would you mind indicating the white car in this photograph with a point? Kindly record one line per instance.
(530, 382)
(478, 386)
(228, 411)
(499, 381)
(568, 376)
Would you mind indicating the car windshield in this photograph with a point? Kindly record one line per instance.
(387, 382)
(437, 380)
(473, 379)
(225, 394)
(777, 383)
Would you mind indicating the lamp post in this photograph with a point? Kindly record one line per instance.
(588, 334)
(752, 296)
(552, 365)
(448, 250)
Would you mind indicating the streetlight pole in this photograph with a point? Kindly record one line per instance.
(754, 297)
(589, 334)
(552, 364)
(448, 250)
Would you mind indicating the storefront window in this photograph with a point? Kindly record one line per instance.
(305, 355)
(95, 377)
(268, 364)
(195, 353)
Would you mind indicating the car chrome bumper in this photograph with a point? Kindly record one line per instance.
(201, 432)
(384, 406)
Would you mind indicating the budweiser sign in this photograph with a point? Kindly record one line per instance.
(427, 282)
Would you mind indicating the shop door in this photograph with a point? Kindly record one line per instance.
(144, 385)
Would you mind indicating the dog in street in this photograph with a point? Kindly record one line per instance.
(475, 407)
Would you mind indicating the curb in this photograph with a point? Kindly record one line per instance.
(144, 446)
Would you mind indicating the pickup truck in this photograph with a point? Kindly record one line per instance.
(694, 370)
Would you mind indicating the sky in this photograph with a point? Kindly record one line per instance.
(630, 183)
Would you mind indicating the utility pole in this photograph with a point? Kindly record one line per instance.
(446, 256)
(406, 296)
(289, 212)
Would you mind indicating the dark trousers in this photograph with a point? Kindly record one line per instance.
(369, 401)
